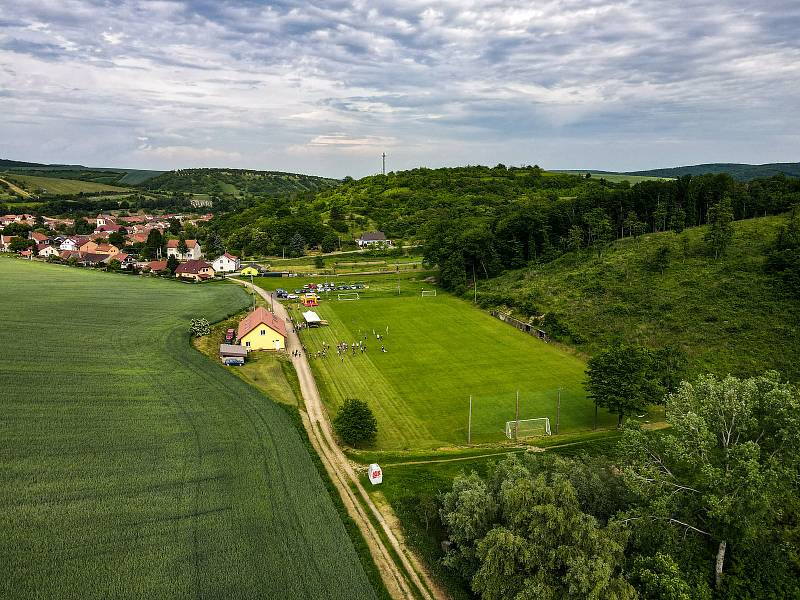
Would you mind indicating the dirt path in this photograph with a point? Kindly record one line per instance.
(408, 579)
(16, 189)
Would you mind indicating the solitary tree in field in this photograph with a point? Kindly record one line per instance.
(624, 380)
(720, 226)
(355, 423)
(727, 469)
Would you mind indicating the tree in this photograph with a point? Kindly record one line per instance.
(199, 327)
(677, 220)
(113, 265)
(634, 226)
(182, 247)
(659, 577)
(214, 245)
(174, 226)
(355, 423)
(575, 238)
(172, 264)
(319, 263)
(18, 244)
(623, 379)
(17, 229)
(117, 238)
(81, 226)
(154, 245)
(727, 470)
(783, 259)
(600, 230)
(297, 245)
(329, 242)
(520, 535)
(720, 226)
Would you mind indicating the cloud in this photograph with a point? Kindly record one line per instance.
(565, 83)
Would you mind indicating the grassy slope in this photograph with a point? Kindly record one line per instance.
(727, 314)
(132, 467)
(614, 177)
(440, 350)
(60, 186)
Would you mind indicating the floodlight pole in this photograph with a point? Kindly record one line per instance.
(558, 409)
(469, 423)
(516, 427)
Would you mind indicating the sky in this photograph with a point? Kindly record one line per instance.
(325, 88)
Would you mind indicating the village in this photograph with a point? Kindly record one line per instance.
(104, 246)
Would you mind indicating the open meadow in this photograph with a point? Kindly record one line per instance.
(439, 351)
(133, 467)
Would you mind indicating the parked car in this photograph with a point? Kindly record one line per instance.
(233, 361)
(291, 296)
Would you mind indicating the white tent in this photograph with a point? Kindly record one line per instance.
(312, 319)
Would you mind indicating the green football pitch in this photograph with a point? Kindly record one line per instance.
(440, 350)
(133, 467)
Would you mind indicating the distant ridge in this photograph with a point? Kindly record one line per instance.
(739, 171)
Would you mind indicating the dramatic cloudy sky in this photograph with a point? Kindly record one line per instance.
(325, 87)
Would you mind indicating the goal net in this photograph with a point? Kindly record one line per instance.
(528, 427)
(349, 296)
(428, 293)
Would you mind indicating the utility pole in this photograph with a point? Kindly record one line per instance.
(469, 423)
(558, 409)
(516, 418)
(383, 168)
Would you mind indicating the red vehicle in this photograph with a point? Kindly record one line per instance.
(312, 286)
(230, 335)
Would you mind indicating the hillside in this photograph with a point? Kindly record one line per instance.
(727, 315)
(237, 182)
(740, 172)
(52, 186)
(106, 175)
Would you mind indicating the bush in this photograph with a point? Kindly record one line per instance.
(199, 327)
(355, 423)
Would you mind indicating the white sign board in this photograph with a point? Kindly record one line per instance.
(375, 474)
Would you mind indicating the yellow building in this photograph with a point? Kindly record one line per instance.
(250, 271)
(261, 330)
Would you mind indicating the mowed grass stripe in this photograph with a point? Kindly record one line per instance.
(174, 479)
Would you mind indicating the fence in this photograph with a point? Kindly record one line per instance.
(521, 325)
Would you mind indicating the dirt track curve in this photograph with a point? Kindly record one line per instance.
(409, 579)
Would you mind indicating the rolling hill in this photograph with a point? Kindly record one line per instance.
(739, 171)
(103, 175)
(237, 182)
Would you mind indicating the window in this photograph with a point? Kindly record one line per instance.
(247, 343)
(263, 332)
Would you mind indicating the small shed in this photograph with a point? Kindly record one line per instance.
(232, 351)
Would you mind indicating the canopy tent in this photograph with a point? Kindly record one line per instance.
(312, 319)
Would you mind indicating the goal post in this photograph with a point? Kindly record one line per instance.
(528, 428)
(349, 296)
(428, 293)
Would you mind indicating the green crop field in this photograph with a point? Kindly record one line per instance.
(616, 177)
(131, 466)
(50, 185)
(440, 350)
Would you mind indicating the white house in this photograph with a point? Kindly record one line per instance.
(73, 243)
(46, 250)
(227, 263)
(373, 238)
(193, 252)
(5, 242)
